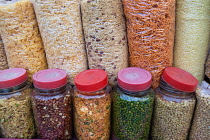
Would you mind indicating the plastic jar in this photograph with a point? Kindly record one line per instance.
(132, 104)
(92, 105)
(52, 104)
(200, 129)
(174, 105)
(16, 117)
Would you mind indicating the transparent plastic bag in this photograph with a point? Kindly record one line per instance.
(201, 121)
(105, 36)
(150, 28)
(192, 36)
(61, 29)
(21, 37)
(3, 57)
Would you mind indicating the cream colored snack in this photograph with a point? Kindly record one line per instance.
(21, 37)
(61, 29)
(3, 57)
(192, 35)
(105, 36)
(200, 129)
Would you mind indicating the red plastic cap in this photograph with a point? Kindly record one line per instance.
(91, 80)
(12, 77)
(134, 79)
(179, 79)
(50, 79)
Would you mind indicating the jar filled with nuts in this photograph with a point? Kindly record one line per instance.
(132, 104)
(52, 104)
(92, 105)
(174, 105)
(16, 117)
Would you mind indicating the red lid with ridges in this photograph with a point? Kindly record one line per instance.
(134, 79)
(179, 79)
(12, 77)
(91, 80)
(50, 79)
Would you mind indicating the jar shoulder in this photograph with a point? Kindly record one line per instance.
(17, 94)
(119, 94)
(67, 92)
(160, 94)
(98, 94)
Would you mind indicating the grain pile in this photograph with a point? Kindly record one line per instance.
(150, 28)
(3, 57)
(192, 35)
(200, 129)
(105, 36)
(21, 37)
(61, 30)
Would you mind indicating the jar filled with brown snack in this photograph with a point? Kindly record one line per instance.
(16, 117)
(200, 129)
(92, 105)
(52, 104)
(174, 105)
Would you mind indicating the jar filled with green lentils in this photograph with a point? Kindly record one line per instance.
(132, 105)
(92, 105)
(174, 105)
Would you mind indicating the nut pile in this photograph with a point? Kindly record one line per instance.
(172, 117)
(132, 115)
(3, 57)
(53, 115)
(92, 116)
(105, 36)
(192, 36)
(61, 30)
(200, 129)
(16, 117)
(150, 29)
(21, 37)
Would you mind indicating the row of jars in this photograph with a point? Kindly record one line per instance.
(52, 108)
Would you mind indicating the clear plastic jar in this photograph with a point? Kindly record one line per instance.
(132, 105)
(52, 104)
(200, 129)
(92, 105)
(174, 105)
(16, 117)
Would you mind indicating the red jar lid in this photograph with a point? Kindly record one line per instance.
(12, 77)
(134, 79)
(179, 79)
(91, 80)
(50, 79)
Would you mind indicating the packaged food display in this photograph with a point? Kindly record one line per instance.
(3, 57)
(174, 105)
(61, 30)
(105, 36)
(21, 37)
(16, 117)
(150, 32)
(52, 105)
(201, 121)
(192, 36)
(92, 105)
(132, 105)
(207, 65)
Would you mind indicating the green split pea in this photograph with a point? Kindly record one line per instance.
(132, 114)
